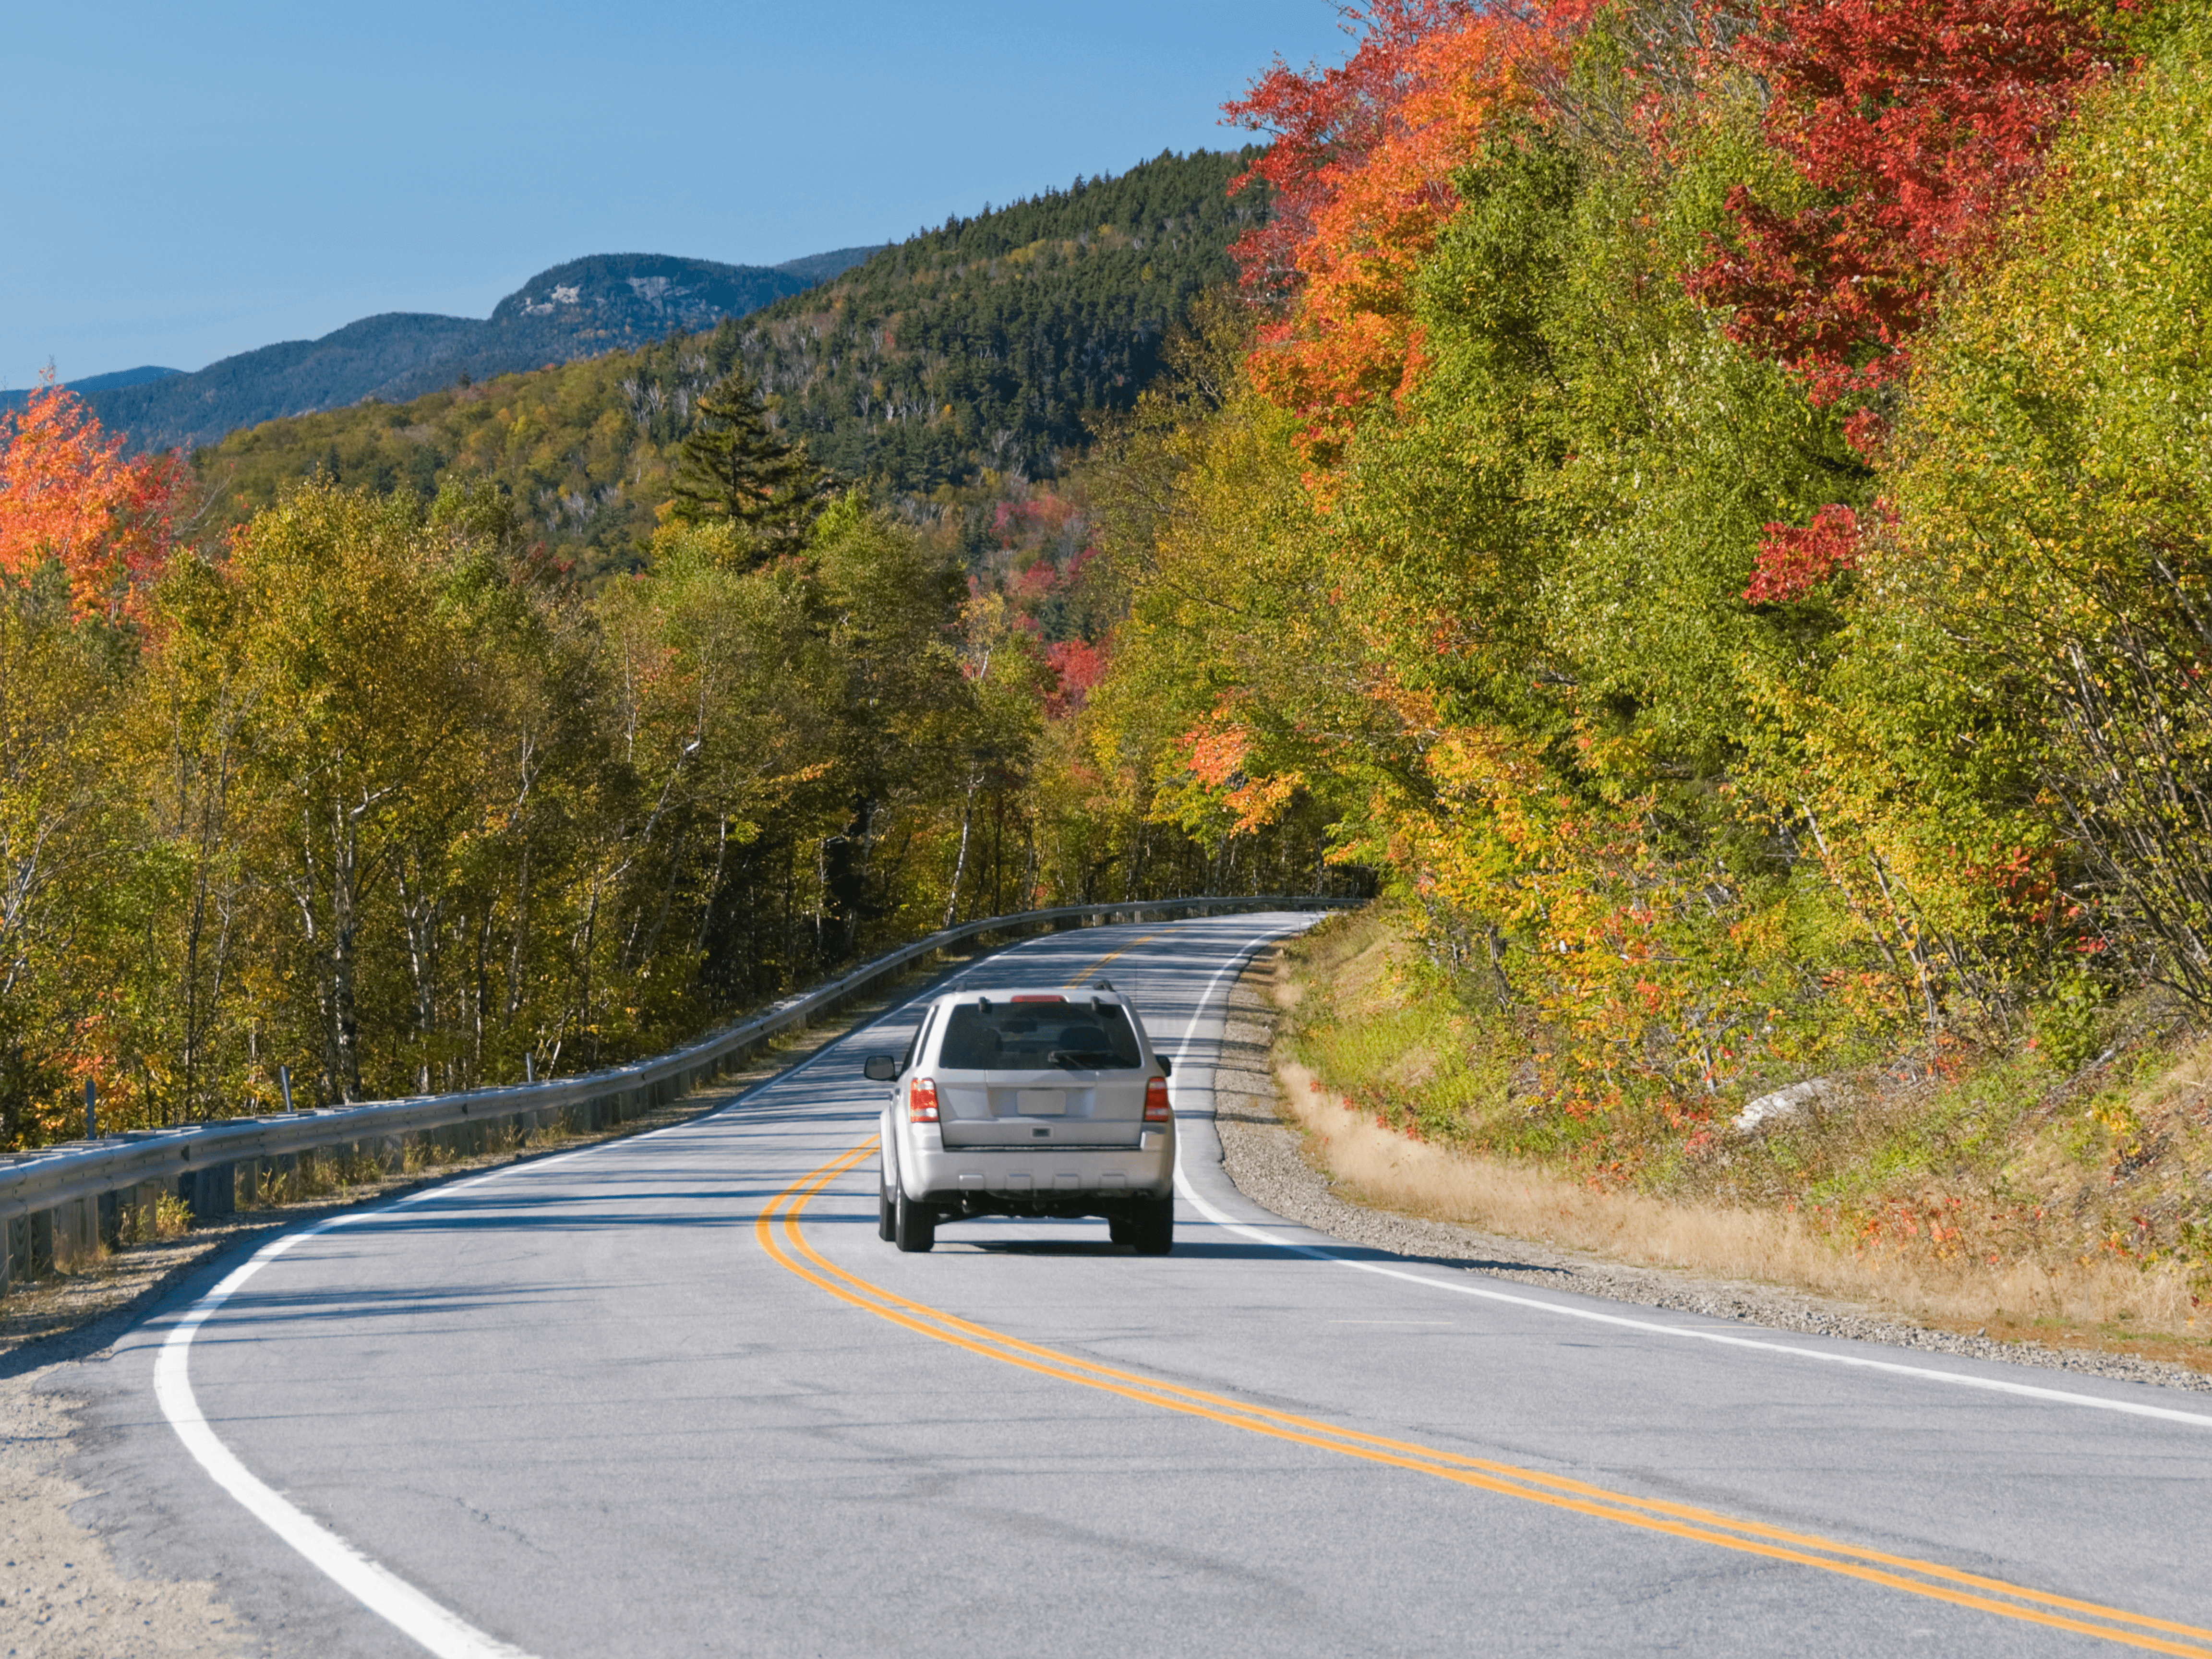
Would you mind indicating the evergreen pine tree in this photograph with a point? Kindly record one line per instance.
(734, 467)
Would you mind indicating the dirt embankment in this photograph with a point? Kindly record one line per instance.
(1295, 1146)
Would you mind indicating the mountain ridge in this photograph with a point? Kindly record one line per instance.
(580, 308)
(121, 377)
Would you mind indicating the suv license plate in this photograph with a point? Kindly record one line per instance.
(1041, 1102)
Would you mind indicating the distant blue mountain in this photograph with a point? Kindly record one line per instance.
(94, 383)
(608, 302)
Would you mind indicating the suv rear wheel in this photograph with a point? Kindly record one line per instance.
(886, 1212)
(1150, 1226)
(913, 1226)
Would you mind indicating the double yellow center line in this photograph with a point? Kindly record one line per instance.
(1082, 978)
(1896, 1572)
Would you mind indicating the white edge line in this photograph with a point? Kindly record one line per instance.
(376, 1587)
(1995, 1385)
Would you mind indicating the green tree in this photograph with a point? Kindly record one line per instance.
(2052, 560)
(360, 765)
(734, 466)
(67, 834)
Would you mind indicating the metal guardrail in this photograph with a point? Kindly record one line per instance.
(63, 1195)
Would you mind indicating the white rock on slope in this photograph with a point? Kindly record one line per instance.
(1788, 1103)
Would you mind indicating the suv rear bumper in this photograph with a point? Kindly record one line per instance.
(1040, 1178)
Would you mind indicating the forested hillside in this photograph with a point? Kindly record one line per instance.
(977, 347)
(364, 781)
(608, 302)
(1711, 500)
(985, 343)
(92, 383)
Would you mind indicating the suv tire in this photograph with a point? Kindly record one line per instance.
(1151, 1225)
(913, 1226)
(886, 1212)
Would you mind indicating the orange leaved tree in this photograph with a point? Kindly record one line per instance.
(1360, 174)
(68, 497)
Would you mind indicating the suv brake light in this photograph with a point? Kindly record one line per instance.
(921, 1100)
(1157, 1109)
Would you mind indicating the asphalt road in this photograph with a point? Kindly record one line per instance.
(652, 1397)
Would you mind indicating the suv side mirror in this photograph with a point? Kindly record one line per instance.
(880, 1068)
(1167, 1066)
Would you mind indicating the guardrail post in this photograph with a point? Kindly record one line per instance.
(76, 1233)
(209, 1192)
(37, 1256)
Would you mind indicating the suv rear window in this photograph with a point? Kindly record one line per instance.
(1028, 1036)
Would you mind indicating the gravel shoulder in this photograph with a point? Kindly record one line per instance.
(1268, 1160)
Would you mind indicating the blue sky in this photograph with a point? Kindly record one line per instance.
(188, 182)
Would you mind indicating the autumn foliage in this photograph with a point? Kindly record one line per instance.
(1914, 122)
(68, 497)
(1792, 562)
(1360, 170)
(1600, 346)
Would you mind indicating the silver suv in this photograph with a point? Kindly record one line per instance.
(1028, 1102)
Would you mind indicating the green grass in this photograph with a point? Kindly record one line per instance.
(1385, 1030)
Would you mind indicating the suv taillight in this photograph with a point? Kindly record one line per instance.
(1157, 1109)
(921, 1100)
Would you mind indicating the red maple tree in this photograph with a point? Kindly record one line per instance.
(1323, 124)
(1792, 562)
(1917, 121)
(1078, 665)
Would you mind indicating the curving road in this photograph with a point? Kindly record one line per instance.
(673, 1395)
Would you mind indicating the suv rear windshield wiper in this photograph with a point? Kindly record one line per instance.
(1085, 1059)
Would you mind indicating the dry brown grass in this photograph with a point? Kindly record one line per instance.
(2097, 1302)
